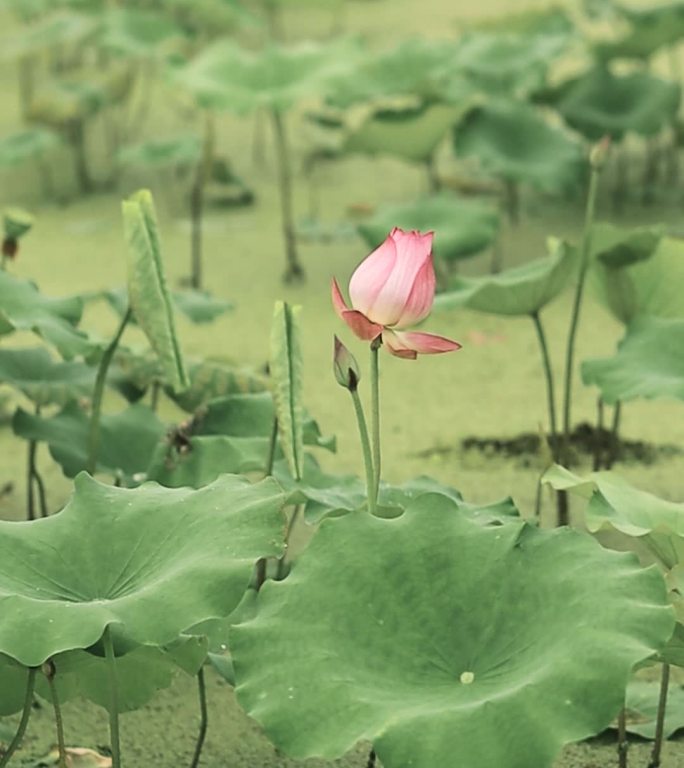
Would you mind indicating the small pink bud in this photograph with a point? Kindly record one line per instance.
(345, 367)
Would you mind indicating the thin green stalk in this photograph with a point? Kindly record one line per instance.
(30, 488)
(42, 495)
(550, 389)
(371, 759)
(204, 718)
(375, 412)
(25, 715)
(365, 446)
(273, 444)
(598, 446)
(622, 742)
(113, 698)
(660, 718)
(49, 671)
(563, 511)
(154, 395)
(614, 436)
(98, 393)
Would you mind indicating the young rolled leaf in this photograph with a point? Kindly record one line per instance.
(422, 661)
(519, 291)
(649, 363)
(151, 562)
(286, 373)
(147, 289)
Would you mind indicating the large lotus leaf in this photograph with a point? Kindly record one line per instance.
(462, 227)
(600, 103)
(24, 308)
(523, 290)
(642, 709)
(159, 153)
(128, 439)
(615, 247)
(147, 289)
(461, 647)
(413, 68)
(649, 363)
(63, 28)
(151, 562)
(513, 141)
(650, 286)
(614, 503)
(137, 32)
(226, 77)
(140, 673)
(651, 29)
(26, 145)
(13, 678)
(41, 379)
(215, 378)
(410, 133)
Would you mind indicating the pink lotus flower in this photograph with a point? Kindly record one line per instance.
(393, 289)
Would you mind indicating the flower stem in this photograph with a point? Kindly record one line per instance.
(367, 457)
(204, 718)
(660, 718)
(550, 390)
(98, 393)
(622, 742)
(375, 411)
(50, 671)
(272, 445)
(585, 253)
(113, 698)
(25, 715)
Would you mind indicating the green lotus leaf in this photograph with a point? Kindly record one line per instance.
(226, 77)
(615, 247)
(44, 381)
(513, 141)
(410, 133)
(614, 503)
(413, 68)
(600, 103)
(649, 286)
(24, 308)
(649, 363)
(147, 290)
(519, 291)
(136, 32)
(151, 562)
(16, 222)
(421, 659)
(160, 153)
(62, 28)
(651, 30)
(26, 145)
(13, 678)
(530, 22)
(140, 674)
(462, 227)
(129, 439)
(200, 306)
(642, 709)
(133, 373)
(211, 378)
(58, 103)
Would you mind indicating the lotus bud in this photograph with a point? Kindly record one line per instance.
(599, 153)
(345, 366)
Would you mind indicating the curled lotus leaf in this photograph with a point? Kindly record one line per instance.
(519, 291)
(26, 145)
(461, 647)
(600, 103)
(183, 151)
(514, 141)
(615, 247)
(462, 227)
(152, 562)
(649, 363)
(614, 503)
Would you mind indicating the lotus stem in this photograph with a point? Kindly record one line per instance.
(660, 717)
(434, 184)
(49, 670)
(366, 448)
(375, 411)
(197, 199)
(25, 716)
(42, 496)
(98, 393)
(563, 512)
(30, 487)
(550, 387)
(113, 698)
(614, 436)
(294, 271)
(622, 742)
(204, 718)
(154, 395)
(272, 445)
(371, 759)
(512, 200)
(598, 448)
